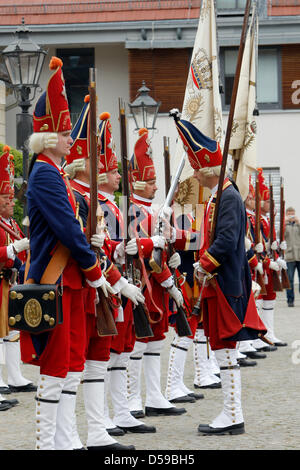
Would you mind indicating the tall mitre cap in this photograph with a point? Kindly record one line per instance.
(106, 147)
(7, 172)
(81, 134)
(51, 113)
(141, 164)
(263, 188)
(202, 151)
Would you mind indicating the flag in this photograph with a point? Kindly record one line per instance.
(242, 144)
(202, 102)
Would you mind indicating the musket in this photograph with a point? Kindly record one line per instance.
(284, 276)
(104, 308)
(156, 259)
(276, 279)
(141, 316)
(257, 236)
(182, 324)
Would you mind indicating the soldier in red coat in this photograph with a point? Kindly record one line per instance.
(13, 246)
(60, 353)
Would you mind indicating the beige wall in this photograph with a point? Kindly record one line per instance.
(2, 112)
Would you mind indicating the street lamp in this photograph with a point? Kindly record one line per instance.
(144, 109)
(24, 60)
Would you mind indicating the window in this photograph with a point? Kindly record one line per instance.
(77, 63)
(231, 4)
(268, 76)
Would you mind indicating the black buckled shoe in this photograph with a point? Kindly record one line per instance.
(137, 414)
(12, 402)
(4, 405)
(197, 396)
(213, 385)
(206, 430)
(5, 390)
(243, 362)
(183, 399)
(255, 355)
(23, 388)
(150, 411)
(280, 344)
(141, 429)
(268, 348)
(115, 446)
(115, 431)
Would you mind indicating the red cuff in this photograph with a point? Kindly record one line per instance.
(208, 262)
(93, 273)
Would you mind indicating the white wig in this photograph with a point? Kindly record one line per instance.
(39, 141)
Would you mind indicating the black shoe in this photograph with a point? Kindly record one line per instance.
(5, 390)
(115, 446)
(12, 402)
(213, 385)
(197, 396)
(4, 405)
(23, 388)
(244, 363)
(142, 428)
(280, 344)
(206, 430)
(115, 431)
(150, 411)
(138, 414)
(290, 304)
(255, 355)
(183, 399)
(268, 348)
(80, 448)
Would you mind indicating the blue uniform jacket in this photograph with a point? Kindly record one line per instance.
(52, 219)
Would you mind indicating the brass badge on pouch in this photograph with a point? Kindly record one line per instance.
(33, 313)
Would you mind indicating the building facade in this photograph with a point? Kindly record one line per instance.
(129, 42)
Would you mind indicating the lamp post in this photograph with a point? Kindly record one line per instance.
(24, 60)
(144, 109)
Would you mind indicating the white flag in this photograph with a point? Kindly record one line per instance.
(243, 138)
(202, 102)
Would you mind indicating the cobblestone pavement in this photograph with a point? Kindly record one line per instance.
(270, 394)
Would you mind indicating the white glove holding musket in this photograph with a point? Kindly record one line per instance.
(281, 263)
(274, 245)
(259, 268)
(97, 240)
(199, 272)
(132, 293)
(283, 245)
(259, 247)
(174, 261)
(103, 284)
(173, 291)
(76, 165)
(274, 266)
(20, 245)
(247, 244)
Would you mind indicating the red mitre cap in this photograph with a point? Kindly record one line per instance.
(106, 145)
(263, 189)
(7, 172)
(51, 112)
(141, 165)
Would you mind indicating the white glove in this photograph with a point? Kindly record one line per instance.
(283, 245)
(174, 261)
(158, 241)
(274, 245)
(119, 253)
(274, 266)
(133, 293)
(97, 240)
(259, 248)
(21, 245)
(198, 268)
(176, 295)
(131, 247)
(76, 165)
(103, 284)
(165, 212)
(281, 263)
(255, 289)
(259, 268)
(247, 244)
